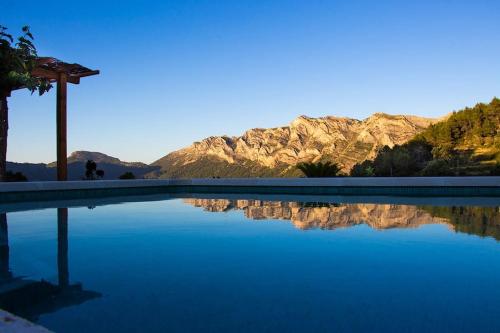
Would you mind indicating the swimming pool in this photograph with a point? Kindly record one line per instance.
(217, 263)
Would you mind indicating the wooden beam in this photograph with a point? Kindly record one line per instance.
(40, 72)
(53, 76)
(62, 148)
(89, 73)
(74, 80)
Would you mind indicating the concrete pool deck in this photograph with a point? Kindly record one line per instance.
(10, 323)
(344, 186)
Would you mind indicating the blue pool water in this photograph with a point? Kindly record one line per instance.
(217, 265)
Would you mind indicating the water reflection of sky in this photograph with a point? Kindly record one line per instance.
(172, 266)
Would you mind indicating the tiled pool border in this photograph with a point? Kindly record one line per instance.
(380, 186)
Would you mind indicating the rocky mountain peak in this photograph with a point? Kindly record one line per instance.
(276, 151)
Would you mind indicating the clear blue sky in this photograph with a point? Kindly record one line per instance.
(173, 72)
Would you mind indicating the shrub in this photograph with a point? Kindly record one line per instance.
(319, 169)
(91, 171)
(495, 171)
(127, 175)
(437, 168)
(15, 177)
(364, 169)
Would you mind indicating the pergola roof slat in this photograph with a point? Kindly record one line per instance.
(50, 68)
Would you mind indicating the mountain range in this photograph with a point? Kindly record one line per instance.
(276, 151)
(259, 152)
(324, 216)
(481, 221)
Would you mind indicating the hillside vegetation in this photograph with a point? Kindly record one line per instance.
(466, 143)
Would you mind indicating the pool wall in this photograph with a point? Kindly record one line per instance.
(385, 186)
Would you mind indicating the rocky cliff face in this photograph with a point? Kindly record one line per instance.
(325, 216)
(276, 151)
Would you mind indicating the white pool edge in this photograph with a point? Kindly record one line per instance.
(10, 323)
(488, 181)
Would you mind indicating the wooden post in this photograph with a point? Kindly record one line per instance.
(4, 128)
(62, 247)
(4, 249)
(61, 104)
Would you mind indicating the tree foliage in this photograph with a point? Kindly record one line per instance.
(17, 61)
(474, 220)
(363, 169)
(91, 171)
(319, 169)
(401, 160)
(127, 175)
(15, 177)
(444, 149)
(495, 171)
(471, 127)
(437, 167)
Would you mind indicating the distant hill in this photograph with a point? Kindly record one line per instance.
(112, 167)
(275, 151)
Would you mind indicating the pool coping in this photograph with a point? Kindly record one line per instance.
(388, 186)
(483, 181)
(10, 323)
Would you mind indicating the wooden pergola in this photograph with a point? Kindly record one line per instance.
(63, 73)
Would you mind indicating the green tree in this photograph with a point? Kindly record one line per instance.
(402, 162)
(319, 169)
(495, 171)
(91, 171)
(17, 61)
(15, 177)
(437, 167)
(364, 169)
(445, 148)
(127, 175)
(383, 163)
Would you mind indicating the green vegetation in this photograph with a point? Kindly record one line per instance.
(319, 169)
(17, 61)
(91, 171)
(495, 171)
(210, 166)
(466, 143)
(481, 221)
(14, 177)
(405, 160)
(471, 127)
(437, 167)
(127, 175)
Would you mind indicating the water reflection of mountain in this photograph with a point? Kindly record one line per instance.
(483, 221)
